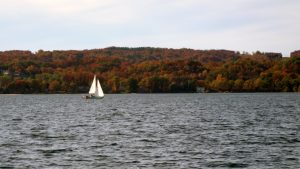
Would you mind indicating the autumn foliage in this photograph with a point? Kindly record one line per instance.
(148, 70)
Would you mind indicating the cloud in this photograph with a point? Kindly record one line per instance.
(269, 25)
(83, 11)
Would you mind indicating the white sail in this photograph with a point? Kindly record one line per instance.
(96, 91)
(99, 89)
(93, 88)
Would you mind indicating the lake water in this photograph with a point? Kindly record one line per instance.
(151, 131)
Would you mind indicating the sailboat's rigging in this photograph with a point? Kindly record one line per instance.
(95, 91)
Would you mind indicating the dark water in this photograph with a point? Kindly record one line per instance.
(150, 131)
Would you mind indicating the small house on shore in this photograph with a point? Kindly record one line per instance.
(200, 90)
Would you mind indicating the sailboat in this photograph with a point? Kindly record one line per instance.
(96, 91)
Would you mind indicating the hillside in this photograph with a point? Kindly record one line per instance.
(148, 70)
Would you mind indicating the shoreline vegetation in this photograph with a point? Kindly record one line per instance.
(147, 70)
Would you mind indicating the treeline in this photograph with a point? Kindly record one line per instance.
(148, 70)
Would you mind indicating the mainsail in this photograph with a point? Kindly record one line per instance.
(93, 88)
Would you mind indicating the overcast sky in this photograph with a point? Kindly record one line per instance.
(241, 25)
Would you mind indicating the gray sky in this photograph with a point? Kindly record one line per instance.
(241, 25)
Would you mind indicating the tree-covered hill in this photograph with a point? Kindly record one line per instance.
(148, 70)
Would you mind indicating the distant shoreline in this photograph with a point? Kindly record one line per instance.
(148, 70)
(142, 93)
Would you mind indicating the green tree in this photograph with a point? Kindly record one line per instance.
(132, 86)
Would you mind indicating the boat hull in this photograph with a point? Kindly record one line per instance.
(92, 97)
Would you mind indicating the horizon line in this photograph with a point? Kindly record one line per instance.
(135, 47)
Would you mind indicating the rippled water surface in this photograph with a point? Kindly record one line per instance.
(150, 131)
